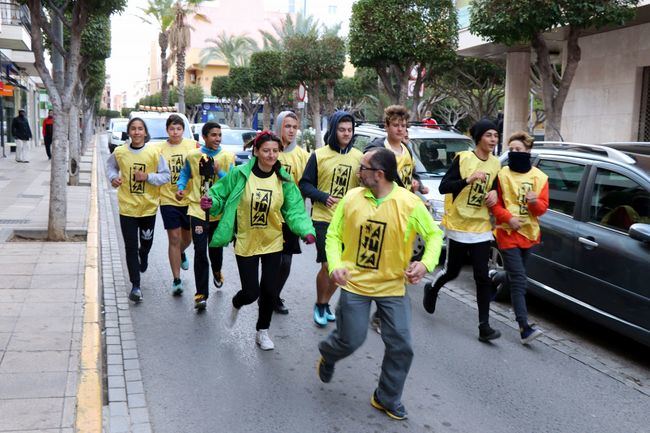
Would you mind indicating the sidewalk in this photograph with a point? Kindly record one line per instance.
(41, 301)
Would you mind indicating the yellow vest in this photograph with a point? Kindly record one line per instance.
(337, 173)
(405, 165)
(259, 217)
(197, 190)
(294, 162)
(137, 198)
(514, 187)
(468, 212)
(175, 155)
(378, 248)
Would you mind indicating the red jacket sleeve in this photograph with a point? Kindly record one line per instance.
(499, 210)
(44, 127)
(540, 205)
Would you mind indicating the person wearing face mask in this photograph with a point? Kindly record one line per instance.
(522, 197)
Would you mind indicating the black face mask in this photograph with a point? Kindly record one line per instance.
(519, 161)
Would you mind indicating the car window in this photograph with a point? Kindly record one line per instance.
(618, 201)
(236, 137)
(563, 183)
(361, 141)
(120, 127)
(436, 154)
(158, 130)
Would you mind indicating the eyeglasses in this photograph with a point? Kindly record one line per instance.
(363, 167)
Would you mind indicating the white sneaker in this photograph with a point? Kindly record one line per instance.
(232, 319)
(263, 340)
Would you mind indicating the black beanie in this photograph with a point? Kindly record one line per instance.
(481, 127)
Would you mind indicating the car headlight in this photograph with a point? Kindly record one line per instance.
(436, 208)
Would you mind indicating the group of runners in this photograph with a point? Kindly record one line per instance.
(364, 220)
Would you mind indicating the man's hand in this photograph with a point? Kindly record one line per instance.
(477, 175)
(310, 239)
(415, 272)
(491, 198)
(180, 194)
(205, 203)
(115, 183)
(140, 176)
(340, 276)
(515, 223)
(331, 201)
(531, 196)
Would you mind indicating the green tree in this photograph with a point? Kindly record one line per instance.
(525, 22)
(269, 80)
(235, 50)
(240, 87)
(356, 94)
(398, 37)
(221, 88)
(288, 27)
(125, 111)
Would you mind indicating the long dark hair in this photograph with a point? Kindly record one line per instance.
(147, 137)
(263, 137)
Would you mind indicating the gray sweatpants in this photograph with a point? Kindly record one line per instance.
(352, 317)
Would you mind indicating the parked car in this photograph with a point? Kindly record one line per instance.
(155, 122)
(116, 128)
(233, 140)
(595, 251)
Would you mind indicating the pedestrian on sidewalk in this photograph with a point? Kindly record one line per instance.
(470, 187)
(203, 167)
(377, 223)
(255, 199)
(293, 159)
(174, 212)
(22, 135)
(522, 198)
(137, 169)
(48, 133)
(329, 174)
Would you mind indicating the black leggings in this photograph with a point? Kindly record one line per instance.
(201, 243)
(479, 254)
(252, 287)
(134, 228)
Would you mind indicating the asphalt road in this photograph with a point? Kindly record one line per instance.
(200, 376)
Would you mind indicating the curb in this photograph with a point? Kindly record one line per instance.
(89, 391)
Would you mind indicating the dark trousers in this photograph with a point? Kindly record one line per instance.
(136, 229)
(201, 240)
(253, 287)
(48, 147)
(514, 262)
(479, 254)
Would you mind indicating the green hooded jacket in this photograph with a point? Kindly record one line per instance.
(227, 192)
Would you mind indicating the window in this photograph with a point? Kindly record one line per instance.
(361, 141)
(563, 183)
(292, 6)
(618, 202)
(331, 9)
(437, 154)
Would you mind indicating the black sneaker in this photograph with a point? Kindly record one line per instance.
(135, 295)
(399, 413)
(325, 370)
(144, 264)
(430, 298)
(528, 333)
(280, 308)
(487, 333)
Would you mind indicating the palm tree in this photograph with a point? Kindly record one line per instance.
(161, 11)
(235, 50)
(179, 41)
(303, 25)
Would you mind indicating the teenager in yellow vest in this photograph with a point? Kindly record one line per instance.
(174, 213)
(329, 174)
(191, 185)
(522, 198)
(293, 159)
(377, 224)
(469, 188)
(137, 170)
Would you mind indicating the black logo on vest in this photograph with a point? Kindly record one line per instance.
(137, 186)
(287, 168)
(524, 188)
(477, 192)
(175, 167)
(260, 206)
(405, 175)
(340, 180)
(371, 240)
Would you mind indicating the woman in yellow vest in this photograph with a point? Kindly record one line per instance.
(173, 211)
(254, 199)
(293, 159)
(468, 186)
(522, 198)
(137, 170)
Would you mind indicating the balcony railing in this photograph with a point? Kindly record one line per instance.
(14, 14)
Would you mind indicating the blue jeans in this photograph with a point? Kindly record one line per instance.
(514, 262)
(352, 315)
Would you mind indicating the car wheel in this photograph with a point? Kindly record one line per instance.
(495, 265)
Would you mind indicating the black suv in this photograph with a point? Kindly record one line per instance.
(594, 258)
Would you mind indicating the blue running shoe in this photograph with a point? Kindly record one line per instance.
(185, 264)
(529, 333)
(319, 315)
(328, 314)
(399, 413)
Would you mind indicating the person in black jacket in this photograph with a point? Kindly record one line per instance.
(22, 134)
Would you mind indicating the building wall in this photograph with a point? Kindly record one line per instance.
(604, 99)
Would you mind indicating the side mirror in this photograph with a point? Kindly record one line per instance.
(125, 136)
(196, 137)
(640, 232)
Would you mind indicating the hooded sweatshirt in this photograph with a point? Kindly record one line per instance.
(293, 157)
(330, 171)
